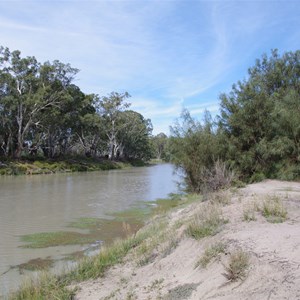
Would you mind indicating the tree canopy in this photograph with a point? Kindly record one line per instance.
(257, 133)
(43, 112)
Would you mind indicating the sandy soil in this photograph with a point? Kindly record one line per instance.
(274, 250)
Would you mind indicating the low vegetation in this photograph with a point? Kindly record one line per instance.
(181, 292)
(249, 214)
(77, 164)
(142, 244)
(46, 286)
(158, 239)
(210, 254)
(270, 207)
(98, 229)
(36, 264)
(273, 210)
(207, 222)
(49, 286)
(238, 265)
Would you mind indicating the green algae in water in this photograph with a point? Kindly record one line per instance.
(87, 223)
(59, 238)
(36, 264)
(99, 229)
(138, 214)
(143, 210)
(124, 223)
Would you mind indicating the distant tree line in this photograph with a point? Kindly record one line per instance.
(42, 112)
(257, 134)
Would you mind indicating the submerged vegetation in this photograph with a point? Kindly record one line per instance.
(197, 218)
(98, 229)
(36, 264)
(143, 245)
(49, 286)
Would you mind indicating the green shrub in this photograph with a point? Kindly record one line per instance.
(257, 177)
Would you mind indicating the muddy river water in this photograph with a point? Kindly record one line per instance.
(48, 203)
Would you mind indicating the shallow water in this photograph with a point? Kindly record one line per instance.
(44, 203)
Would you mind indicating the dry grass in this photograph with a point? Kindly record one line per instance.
(206, 222)
(237, 266)
(210, 254)
(221, 197)
(273, 210)
(249, 212)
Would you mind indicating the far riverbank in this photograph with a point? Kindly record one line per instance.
(63, 165)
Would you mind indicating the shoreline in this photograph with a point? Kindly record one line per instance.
(176, 257)
(68, 165)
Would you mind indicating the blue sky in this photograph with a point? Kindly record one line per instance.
(168, 55)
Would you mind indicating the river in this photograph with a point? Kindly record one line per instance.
(48, 203)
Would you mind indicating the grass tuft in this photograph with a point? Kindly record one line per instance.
(222, 197)
(207, 222)
(237, 267)
(249, 214)
(210, 254)
(47, 286)
(273, 210)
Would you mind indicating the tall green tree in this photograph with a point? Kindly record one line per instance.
(194, 149)
(111, 107)
(134, 137)
(30, 89)
(160, 146)
(90, 128)
(41, 108)
(259, 117)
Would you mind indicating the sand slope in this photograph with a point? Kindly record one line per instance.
(274, 251)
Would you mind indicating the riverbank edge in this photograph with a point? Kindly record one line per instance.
(63, 165)
(51, 286)
(191, 249)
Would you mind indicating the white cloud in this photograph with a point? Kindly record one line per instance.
(159, 51)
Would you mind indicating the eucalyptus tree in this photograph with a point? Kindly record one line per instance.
(160, 145)
(90, 127)
(56, 128)
(133, 139)
(110, 109)
(29, 89)
(6, 122)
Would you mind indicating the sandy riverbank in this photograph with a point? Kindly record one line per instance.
(167, 266)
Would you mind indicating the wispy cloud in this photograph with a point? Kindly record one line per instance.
(167, 54)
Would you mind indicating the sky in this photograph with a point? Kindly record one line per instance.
(168, 55)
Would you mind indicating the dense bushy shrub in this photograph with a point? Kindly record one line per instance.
(257, 133)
